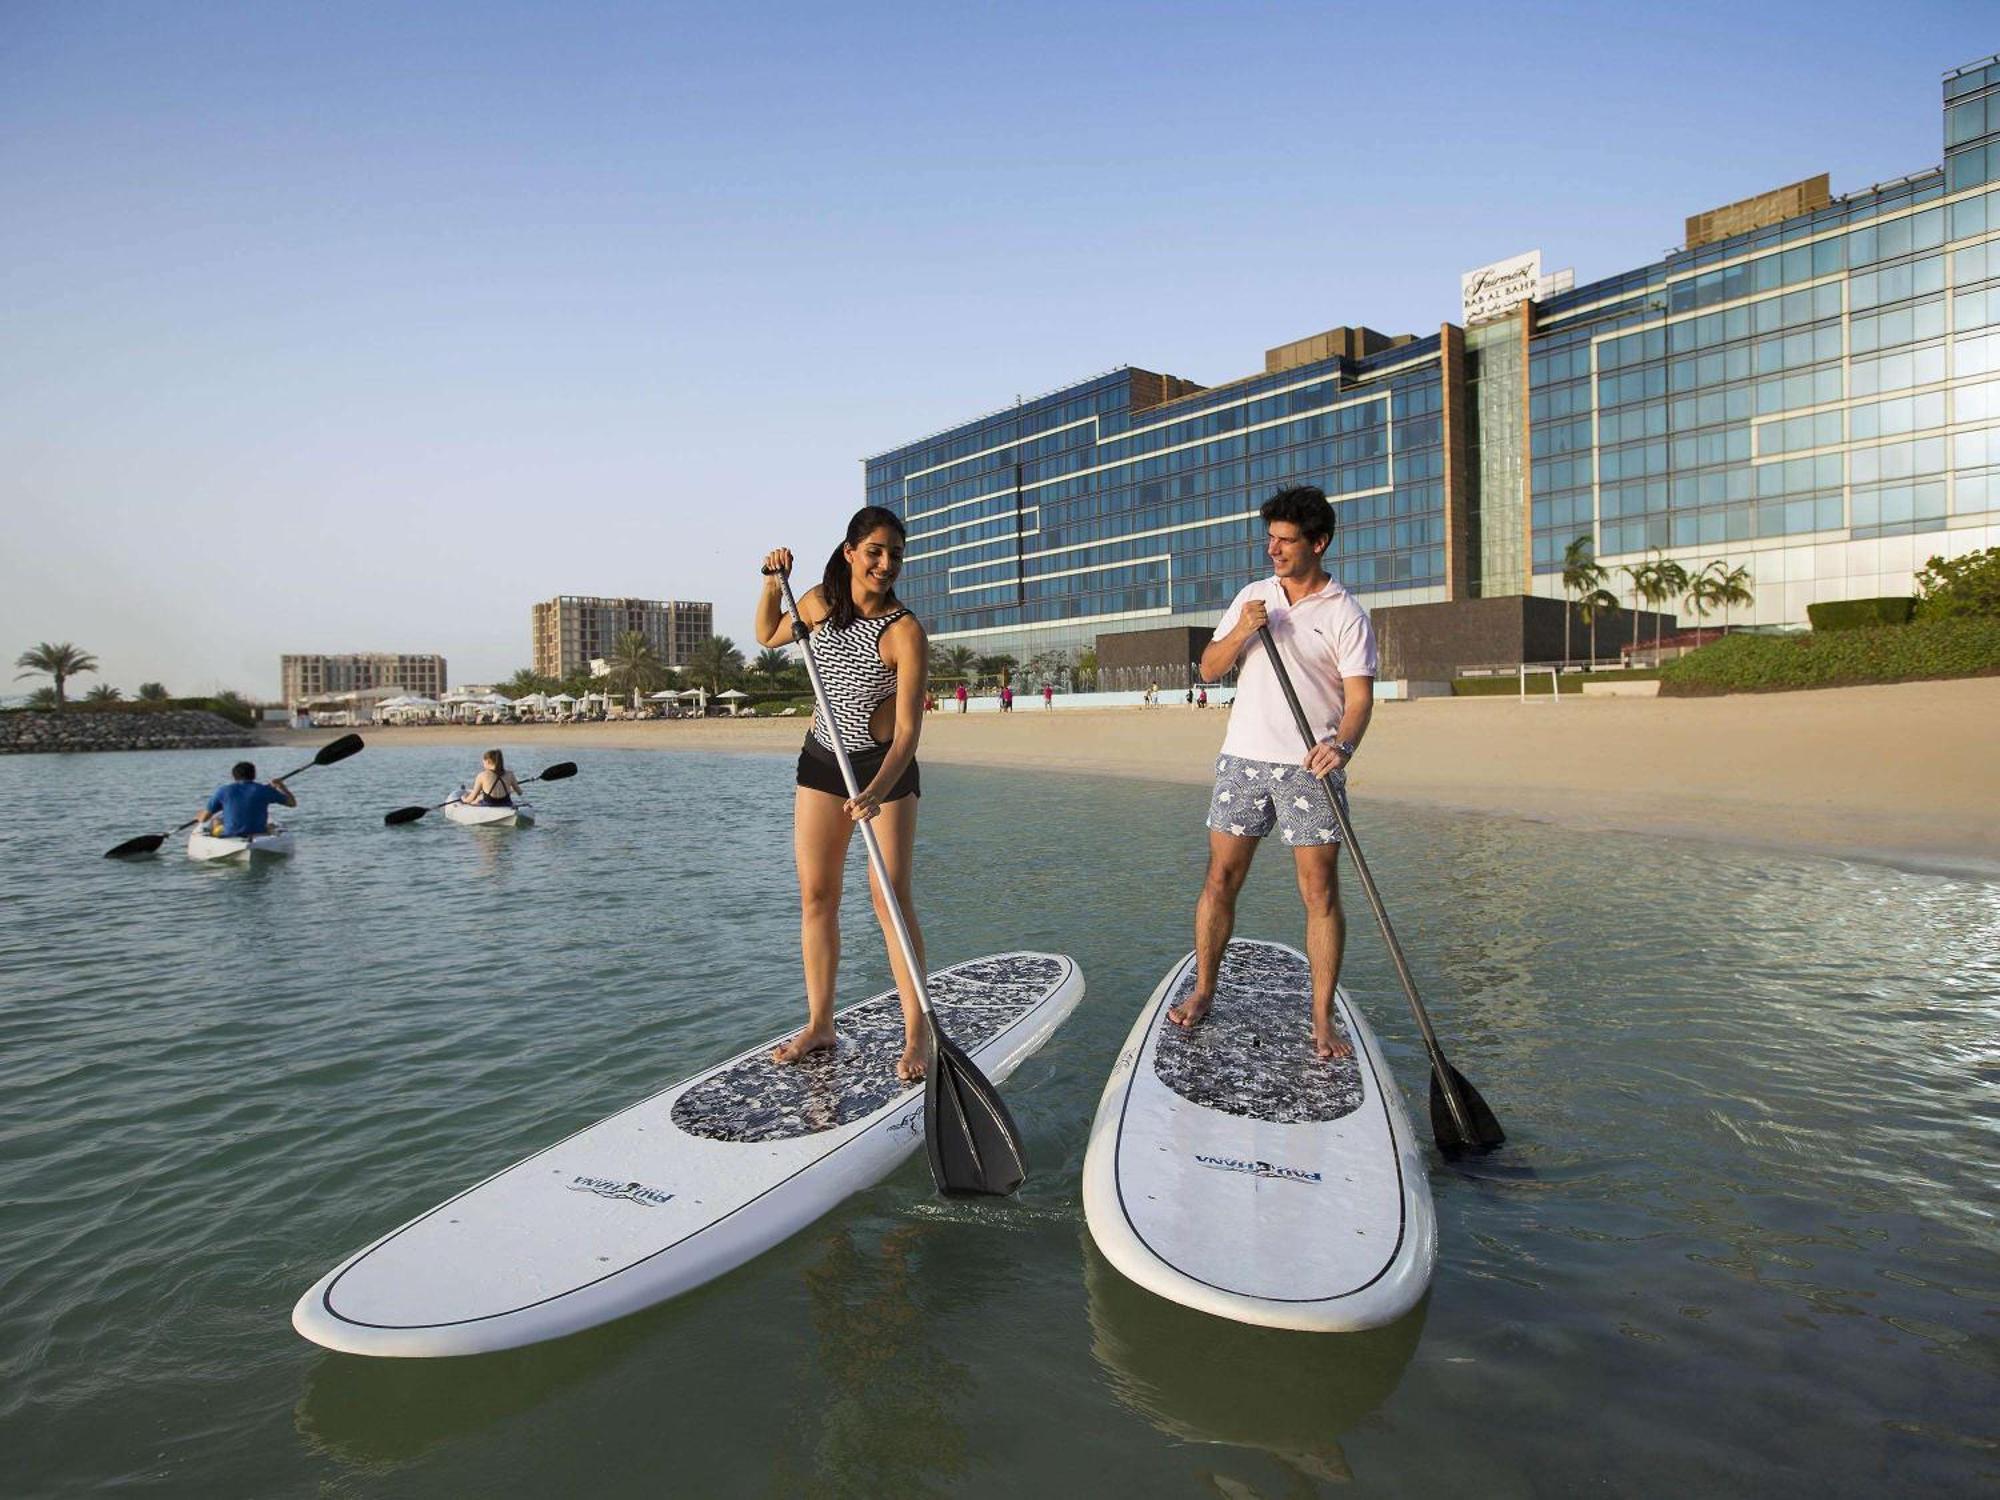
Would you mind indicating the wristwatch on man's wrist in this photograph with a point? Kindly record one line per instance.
(1346, 749)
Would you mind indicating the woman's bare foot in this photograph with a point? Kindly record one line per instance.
(1328, 1043)
(1188, 1014)
(910, 1066)
(803, 1045)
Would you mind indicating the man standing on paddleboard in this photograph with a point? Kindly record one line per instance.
(1260, 786)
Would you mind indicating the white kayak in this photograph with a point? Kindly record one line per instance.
(520, 815)
(274, 844)
(1232, 1170)
(677, 1189)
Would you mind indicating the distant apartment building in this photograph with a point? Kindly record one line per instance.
(307, 675)
(573, 628)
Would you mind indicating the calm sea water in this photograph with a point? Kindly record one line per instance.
(1743, 1239)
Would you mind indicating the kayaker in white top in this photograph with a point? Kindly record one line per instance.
(494, 786)
(1329, 650)
(873, 658)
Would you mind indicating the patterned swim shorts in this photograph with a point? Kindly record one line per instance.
(1254, 796)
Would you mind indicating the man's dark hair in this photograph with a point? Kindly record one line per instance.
(243, 771)
(1303, 505)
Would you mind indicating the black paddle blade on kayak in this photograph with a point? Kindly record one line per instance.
(404, 815)
(1486, 1131)
(968, 1134)
(562, 770)
(340, 749)
(146, 843)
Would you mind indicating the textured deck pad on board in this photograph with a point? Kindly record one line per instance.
(759, 1100)
(1253, 1054)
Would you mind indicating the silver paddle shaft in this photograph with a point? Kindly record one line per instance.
(1439, 1068)
(875, 861)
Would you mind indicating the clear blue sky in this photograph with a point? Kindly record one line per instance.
(363, 326)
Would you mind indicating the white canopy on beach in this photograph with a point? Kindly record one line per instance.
(731, 693)
(562, 698)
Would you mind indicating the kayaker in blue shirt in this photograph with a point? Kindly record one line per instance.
(242, 808)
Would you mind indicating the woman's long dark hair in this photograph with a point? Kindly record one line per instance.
(838, 584)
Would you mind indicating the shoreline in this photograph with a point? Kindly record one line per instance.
(1901, 774)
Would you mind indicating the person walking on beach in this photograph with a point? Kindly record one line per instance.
(873, 659)
(494, 786)
(960, 695)
(1329, 649)
(1006, 698)
(241, 808)
(1048, 695)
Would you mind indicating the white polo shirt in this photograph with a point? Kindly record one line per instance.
(1324, 637)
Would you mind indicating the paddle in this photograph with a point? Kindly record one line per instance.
(562, 770)
(146, 843)
(968, 1134)
(1460, 1119)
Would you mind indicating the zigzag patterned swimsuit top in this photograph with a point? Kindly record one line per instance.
(857, 679)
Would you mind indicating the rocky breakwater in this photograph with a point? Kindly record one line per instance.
(78, 730)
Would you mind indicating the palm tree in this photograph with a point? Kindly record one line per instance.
(635, 666)
(104, 692)
(958, 662)
(1698, 592)
(59, 660)
(1643, 583)
(1590, 606)
(525, 683)
(715, 663)
(1581, 574)
(42, 698)
(153, 692)
(1086, 669)
(772, 664)
(996, 667)
(1731, 587)
(1670, 581)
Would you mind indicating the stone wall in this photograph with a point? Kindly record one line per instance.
(76, 730)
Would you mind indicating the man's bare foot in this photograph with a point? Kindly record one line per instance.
(910, 1066)
(1189, 1013)
(1328, 1043)
(804, 1044)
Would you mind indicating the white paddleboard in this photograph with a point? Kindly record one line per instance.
(679, 1188)
(1232, 1170)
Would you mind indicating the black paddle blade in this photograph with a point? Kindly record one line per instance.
(1486, 1131)
(145, 843)
(968, 1134)
(404, 815)
(562, 770)
(340, 749)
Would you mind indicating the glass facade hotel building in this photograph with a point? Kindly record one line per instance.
(1810, 390)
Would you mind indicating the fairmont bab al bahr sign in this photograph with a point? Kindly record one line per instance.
(1492, 290)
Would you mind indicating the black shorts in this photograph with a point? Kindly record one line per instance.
(820, 772)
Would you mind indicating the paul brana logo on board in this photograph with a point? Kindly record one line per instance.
(1257, 1168)
(604, 1187)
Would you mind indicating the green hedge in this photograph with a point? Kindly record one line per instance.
(1860, 614)
(236, 713)
(1921, 650)
(1538, 682)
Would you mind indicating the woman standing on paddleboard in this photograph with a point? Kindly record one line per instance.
(873, 659)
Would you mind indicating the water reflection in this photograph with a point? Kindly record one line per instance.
(885, 1412)
(378, 1415)
(1204, 1379)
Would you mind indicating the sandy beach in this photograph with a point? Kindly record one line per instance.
(1905, 773)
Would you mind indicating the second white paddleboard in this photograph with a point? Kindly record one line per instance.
(1232, 1170)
